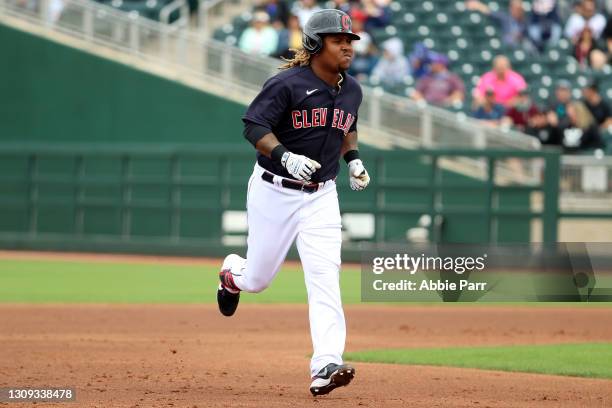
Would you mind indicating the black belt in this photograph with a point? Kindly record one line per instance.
(293, 185)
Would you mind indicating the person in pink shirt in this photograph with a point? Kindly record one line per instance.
(505, 83)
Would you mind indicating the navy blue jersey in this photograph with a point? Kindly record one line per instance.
(308, 116)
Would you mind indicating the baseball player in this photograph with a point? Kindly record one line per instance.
(301, 123)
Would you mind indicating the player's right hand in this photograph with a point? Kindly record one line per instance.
(300, 167)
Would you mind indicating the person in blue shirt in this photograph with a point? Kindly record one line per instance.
(489, 111)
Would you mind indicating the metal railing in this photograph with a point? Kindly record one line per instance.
(179, 6)
(226, 70)
(428, 126)
(151, 45)
(586, 175)
(208, 9)
(586, 186)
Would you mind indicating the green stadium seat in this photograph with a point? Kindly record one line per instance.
(456, 31)
(554, 55)
(542, 95)
(428, 6)
(145, 8)
(453, 55)
(546, 81)
(462, 44)
(424, 30)
(496, 46)
(222, 33)
(467, 69)
(473, 20)
(431, 44)
(379, 35)
(406, 21)
(442, 19)
(409, 4)
(395, 7)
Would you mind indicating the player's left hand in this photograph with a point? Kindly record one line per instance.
(358, 175)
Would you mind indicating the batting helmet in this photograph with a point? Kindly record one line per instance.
(328, 21)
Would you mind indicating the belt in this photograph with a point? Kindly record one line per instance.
(293, 185)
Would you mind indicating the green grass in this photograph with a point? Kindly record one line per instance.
(69, 282)
(56, 281)
(579, 360)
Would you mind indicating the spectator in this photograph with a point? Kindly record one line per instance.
(544, 25)
(570, 122)
(378, 13)
(585, 16)
(557, 112)
(585, 44)
(358, 13)
(342, 5)
(607, 40)
(596, 105)
(364, 58)
(392, 68)
(505, 83)
(440, 86)
(526, 116)
(599, 59)
(277, 10)
(420, 58)
(56, 8)
(53, 12)
(607, 32)
(489, 111)
(303, 9)
(602, 54)
(260, 38)
(513, 22)
(289, 38)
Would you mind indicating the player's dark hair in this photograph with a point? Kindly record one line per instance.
(300, 59)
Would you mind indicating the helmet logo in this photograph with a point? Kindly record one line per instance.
(346, 22)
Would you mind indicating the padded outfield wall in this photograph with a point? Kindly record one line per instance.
(54, 94)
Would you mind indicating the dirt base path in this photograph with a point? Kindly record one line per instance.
(190, 356)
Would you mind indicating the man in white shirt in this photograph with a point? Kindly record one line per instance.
(261, 38)
(585, 15)
(304, 9)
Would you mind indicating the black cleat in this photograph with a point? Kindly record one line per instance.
(330, 377)
(228, 293)
(228, 302)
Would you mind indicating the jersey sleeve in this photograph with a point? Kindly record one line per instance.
(269, 105)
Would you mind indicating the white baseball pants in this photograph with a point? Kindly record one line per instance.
(278, 216)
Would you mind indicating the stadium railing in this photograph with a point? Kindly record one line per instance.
(586, 186)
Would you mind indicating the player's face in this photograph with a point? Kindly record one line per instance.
(337, 51)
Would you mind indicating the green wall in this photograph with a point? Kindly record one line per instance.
(171, 194)
(50, 92)
(458, 226)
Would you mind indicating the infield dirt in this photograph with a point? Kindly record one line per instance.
(191, 356)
